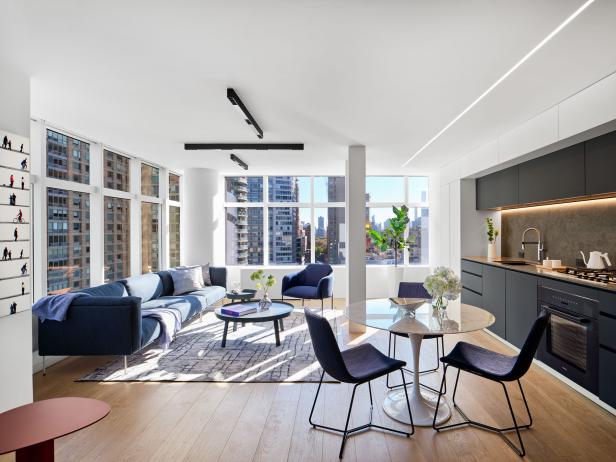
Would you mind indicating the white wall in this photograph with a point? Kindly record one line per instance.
(15, 330)
(202, 215)
(586, 114)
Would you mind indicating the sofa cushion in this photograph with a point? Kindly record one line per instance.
(187, 305)
(186, 280)
(113, 289)
(167, 280)
(147, 286)
(301, 292)
(210, 294)
(150, 330)
(205, 269)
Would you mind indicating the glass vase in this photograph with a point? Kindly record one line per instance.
(440, 302)
(265, 302)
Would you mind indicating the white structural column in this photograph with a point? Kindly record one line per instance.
(202, 212)
(355, 230)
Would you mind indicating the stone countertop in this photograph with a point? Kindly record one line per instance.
(530, 268)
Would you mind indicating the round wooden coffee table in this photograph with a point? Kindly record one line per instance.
(276, 313)
(30, 430)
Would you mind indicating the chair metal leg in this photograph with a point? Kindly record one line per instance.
(44, 368)
(521, 451)
(125, 364)
(321, 307)
(348, 432)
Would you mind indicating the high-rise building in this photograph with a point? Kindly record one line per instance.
(68, 240)
(117, 238)
(284, 225)
(67, 158)
(336, 250)
(320, 232)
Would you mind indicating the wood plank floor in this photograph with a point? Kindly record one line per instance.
(269, 421)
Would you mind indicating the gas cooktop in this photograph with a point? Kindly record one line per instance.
(606, 276)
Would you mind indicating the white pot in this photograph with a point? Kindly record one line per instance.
(492, 250)
(395, 278)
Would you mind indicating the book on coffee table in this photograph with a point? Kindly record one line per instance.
(239, 310)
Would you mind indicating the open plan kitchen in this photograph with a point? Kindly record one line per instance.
(556, 218)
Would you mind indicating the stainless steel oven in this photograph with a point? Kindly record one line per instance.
(571, 342)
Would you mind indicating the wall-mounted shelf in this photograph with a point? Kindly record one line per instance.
(15, 259)
(13, 240)
(15, 151)
(15, 277)
(15, 169)
(14, 222)
(15, 296)
(14, 188)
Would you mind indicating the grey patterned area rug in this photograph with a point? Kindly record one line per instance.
(251, 355)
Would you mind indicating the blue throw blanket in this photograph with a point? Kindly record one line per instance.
(55, 306)
(170, 322)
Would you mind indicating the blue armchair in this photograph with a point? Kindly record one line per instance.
(314, 282)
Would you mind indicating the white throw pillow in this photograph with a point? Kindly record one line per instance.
(207, 281)
(186, 280)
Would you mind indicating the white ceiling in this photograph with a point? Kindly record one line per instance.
(147, 76)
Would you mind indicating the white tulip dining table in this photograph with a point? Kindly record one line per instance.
(384, 314)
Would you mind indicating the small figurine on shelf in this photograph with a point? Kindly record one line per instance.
(24, 163)
(20, 216)
(23, 288)
(10, 254)
(22, 183)
(21, 254)
(5, 142)
(12, 199)
(11, 181)
(13, 308)
(16, 234)
(10, 145)
(24, 269)
(21, 149)
(5, 253)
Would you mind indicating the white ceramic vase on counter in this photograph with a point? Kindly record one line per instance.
(492, 250)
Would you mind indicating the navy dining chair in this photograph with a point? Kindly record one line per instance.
(356, 365)
(415, 290)
(496, 367)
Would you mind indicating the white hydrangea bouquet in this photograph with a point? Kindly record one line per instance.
(443, 285)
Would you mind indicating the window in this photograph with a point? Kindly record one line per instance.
(149, 180)
(150, 237)
(68, 240)
(244, 235)
(174, 187)
(386, 191)
(330, 231)
(174, 236)
(116, 238)
(289, 235)
(280, 220)
(289, 189)
(116, 171)
(67, 158)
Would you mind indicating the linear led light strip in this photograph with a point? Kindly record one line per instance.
(505, 75)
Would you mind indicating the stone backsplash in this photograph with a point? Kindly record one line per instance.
(565, 229)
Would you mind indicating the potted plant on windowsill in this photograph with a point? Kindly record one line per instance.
(492, 235)
(393, 237)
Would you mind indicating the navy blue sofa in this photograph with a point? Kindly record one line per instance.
(109, 322)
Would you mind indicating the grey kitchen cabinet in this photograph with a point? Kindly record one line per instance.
(499, 189)
(494, 297)
(471, 298)
(559, 175)
(521, 306)
(607, 376)
(601, 164)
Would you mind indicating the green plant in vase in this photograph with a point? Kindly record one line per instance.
(392, 237)
(263, 283)
(492, 235)
(443, 285)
